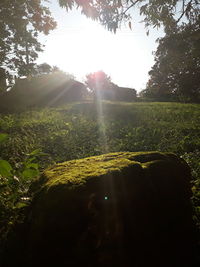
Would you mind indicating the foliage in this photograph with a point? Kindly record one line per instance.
(78, 130)
(192, 158)
(44, 68)
(14, 186)
(176, 72)
(124, 94)
(97, 82)
(22, 21)
(3, 84)
(49, 89)
(101, 87)
(155, 12)
(20, 24)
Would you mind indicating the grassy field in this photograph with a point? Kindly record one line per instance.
(81, 129)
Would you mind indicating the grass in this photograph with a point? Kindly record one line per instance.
(77, 130)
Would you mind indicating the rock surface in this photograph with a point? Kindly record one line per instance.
(117, 209)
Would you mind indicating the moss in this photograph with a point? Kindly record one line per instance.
(77, 172)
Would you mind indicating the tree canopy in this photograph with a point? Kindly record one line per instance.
(154, 12)
(97, 80)
(103, 88)
(21, 21)
(176, 72)
(43, 68)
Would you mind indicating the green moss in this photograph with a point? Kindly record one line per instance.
(77, 172)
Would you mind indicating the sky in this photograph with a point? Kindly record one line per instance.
(80, 46)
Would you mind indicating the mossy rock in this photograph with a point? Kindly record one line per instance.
(123, 209)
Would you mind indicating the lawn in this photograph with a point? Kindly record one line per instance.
(80, 129)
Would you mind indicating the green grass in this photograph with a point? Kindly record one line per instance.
(77, 130)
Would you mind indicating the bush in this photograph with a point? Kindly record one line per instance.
(14, 186)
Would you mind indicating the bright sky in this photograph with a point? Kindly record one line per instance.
(80, 46)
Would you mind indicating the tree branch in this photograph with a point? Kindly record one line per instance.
(132, 5)
(183, 10)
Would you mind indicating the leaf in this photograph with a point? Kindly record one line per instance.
(30, 173)
(29, 160)
(35, 152)
(5, 168)
(20, 205)
(32, 166)
(3, 137)
(130, 25)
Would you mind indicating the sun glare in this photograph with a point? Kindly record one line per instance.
(83, 46)
(83, 51)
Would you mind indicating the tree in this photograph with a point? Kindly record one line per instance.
(3, 84)
(101, 87)
(176, 72)
(96, 82)
(46, 89)
(155, 12)
(20, 23)
(44, 68)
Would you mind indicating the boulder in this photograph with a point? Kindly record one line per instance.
(117, 209)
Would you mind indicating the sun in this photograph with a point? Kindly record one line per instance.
(81, 50)
(83, 46)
